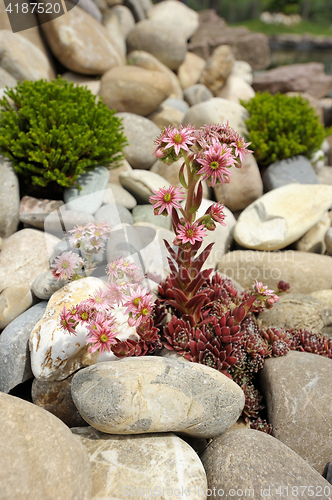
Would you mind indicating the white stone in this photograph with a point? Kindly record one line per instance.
(14, 300)
(55, 354)
(142, 183)
(175, 14)
(218, 110)
(313, 240)
(235, 89)
(149, 462)
(282, 216)
(243, 70)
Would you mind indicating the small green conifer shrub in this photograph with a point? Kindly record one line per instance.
(55, 131)
(281, 126)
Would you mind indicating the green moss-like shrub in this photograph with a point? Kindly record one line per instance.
(280, 127)
(56, 131)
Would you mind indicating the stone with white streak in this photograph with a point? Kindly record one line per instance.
(282, 216)
(143, 463)
(55, 354)
(154, 394)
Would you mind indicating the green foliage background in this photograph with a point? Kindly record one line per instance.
(56, 131)
(281, 127)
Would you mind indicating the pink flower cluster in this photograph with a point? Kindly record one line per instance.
(124, 289)
(91, 238)
(265, 297)
(212, 148)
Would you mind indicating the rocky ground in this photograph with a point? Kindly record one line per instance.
(114, 430)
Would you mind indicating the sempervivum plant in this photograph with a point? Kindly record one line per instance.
(57, 131)
(210, 323)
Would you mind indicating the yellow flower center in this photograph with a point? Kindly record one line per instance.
(145, 312)
(214, 165)
(103, 338)
(177, 138)
(136, 302)
(190, 232)
(98, 299)
(167, 197)
(84, 315)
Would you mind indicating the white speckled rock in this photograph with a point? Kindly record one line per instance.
(154, 394)
(148, 462)
(243, 70)
(282, 216)
(55, 354)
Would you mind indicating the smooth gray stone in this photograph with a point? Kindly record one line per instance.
(124, 242)
(91, 8)
(90, 198)
(45, 285)
(144, 213)
(62, 220)
(118, 195)
(114, 215)
(297, 169)
(197, 93)
(141, 134)
(9, 199)
(14, 350)
(179, 104)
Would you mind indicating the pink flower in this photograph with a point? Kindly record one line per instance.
(99, 300)
(83, 312)
(191, 232)
(145, 308)
(115, 293)
(102, 337)
(67, 321)
(268, 295)
(65, 266)
(172, 137)
(217, 214)
(166, 199)
(136, 298)
(216, 162)
(241, 149)
(114, 267)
